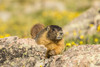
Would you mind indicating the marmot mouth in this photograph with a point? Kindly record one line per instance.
(59, 37)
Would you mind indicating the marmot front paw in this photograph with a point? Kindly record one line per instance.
(51, 53)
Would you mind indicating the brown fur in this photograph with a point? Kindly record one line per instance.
(51, 37)
(36, 29)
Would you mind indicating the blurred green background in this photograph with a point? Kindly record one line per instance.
(18, 16)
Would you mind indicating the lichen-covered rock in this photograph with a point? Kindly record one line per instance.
(79, 56)
(17, 52)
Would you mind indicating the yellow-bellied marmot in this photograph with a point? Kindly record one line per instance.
(51, 37)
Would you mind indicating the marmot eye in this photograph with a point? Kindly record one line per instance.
(53, 29)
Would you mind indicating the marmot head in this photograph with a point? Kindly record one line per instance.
(55, 32)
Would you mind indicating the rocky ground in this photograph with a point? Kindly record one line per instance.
(17, 52)
(82, 24)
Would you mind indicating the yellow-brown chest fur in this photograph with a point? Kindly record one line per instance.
(43, 40)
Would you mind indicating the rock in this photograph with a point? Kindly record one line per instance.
(81, 56)
(5, 16)
(82, 23)
(44, 4)
(18, 52)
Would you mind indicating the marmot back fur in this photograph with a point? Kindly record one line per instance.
(36, 29)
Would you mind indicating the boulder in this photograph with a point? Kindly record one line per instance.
(82, 25)
(17, 52)
(21, 52)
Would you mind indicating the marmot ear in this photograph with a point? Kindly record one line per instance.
(48, 28)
